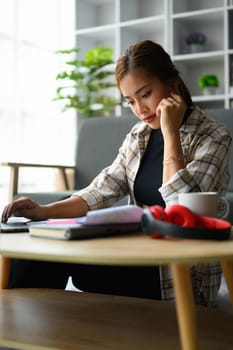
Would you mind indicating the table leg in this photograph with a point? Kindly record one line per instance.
(4, 272)
(185, 306)
(227, 267)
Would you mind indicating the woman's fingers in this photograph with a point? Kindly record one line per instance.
(19, 207)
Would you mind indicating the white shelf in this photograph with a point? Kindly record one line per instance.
(209, 56)
(119, 23)
(204, 98)
(87, 31)
(197, 14)
(142, 21)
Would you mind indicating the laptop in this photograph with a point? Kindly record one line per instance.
(15, 224)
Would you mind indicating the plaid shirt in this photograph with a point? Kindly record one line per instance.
(205, 144)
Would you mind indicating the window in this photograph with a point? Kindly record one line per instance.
(33, 128)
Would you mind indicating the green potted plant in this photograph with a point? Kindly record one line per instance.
(86, 84)
(196, 42)
(208, 83)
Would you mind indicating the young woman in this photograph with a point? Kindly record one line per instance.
(174, 148)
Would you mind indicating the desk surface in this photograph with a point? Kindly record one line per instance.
(124, 250)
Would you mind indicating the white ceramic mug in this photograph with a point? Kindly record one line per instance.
(205, 203)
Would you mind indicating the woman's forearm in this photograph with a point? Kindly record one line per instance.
(173, 156)
(71, 207)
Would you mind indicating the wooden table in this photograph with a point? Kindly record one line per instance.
(137, 250)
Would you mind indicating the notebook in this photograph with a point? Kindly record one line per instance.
(97, 223)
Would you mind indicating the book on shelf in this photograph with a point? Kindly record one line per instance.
(97, 223)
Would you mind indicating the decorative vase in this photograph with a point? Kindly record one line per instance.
(195, 48)
(209, 90)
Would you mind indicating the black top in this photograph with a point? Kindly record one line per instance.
(150, 172)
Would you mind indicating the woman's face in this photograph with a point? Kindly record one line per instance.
(143, 94)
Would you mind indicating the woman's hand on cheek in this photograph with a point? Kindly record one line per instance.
(171, 111)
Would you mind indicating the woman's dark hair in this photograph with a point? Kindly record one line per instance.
(151, 57)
